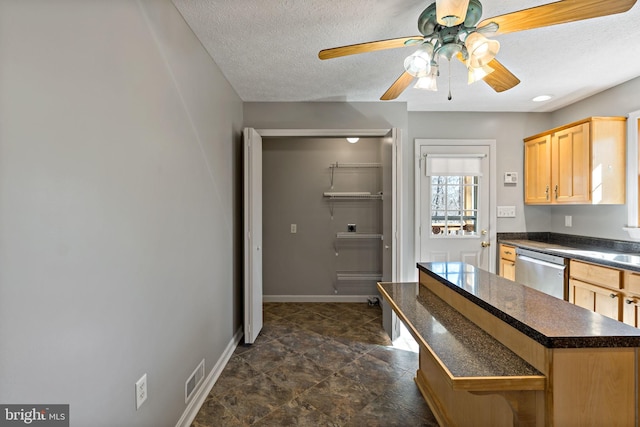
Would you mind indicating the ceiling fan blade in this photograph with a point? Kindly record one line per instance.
(500, 79)
(397, 87)
(369, 47)
(560, 12)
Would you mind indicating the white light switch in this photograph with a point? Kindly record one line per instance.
(294, 228)
(506, 211)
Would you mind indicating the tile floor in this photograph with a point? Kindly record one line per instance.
(318, 364)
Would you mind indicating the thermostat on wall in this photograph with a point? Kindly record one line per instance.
(511, 177)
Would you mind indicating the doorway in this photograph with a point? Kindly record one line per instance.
(388, 228)
(455, 201)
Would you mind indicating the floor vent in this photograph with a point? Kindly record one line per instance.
(194, 381)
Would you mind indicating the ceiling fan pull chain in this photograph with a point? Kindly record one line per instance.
(449, 97)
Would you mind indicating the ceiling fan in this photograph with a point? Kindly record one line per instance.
(452, 28)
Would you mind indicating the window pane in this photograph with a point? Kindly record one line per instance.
(454, 205)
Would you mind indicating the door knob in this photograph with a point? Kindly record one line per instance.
(485, 244)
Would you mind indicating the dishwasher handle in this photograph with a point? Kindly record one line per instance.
(537, 261)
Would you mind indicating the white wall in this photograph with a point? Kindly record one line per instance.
(119, 208)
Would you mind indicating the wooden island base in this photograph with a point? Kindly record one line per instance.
(477, 369)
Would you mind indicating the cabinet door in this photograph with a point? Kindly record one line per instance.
(508, 269)
(595, 298)
(570, 170)
(537, 171)
(630, 311)
(582, 295)
(608, 303)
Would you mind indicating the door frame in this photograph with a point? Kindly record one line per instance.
(493, 185)
(397, 171)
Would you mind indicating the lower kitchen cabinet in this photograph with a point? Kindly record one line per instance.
(595, 298)
(596, 288)
(508, 262)
(631, 299)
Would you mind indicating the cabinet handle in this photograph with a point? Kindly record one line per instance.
(629, 301)
(546, 193)
(613, 295)
(507, 252)
(556, 191)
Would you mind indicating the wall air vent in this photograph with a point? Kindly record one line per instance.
(194, 381)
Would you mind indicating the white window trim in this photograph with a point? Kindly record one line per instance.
(632, 174)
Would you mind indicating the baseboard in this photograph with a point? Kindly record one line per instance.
(317, 298)
(200, 396)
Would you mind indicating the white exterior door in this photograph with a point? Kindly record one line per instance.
(454, 205)
(252, 235)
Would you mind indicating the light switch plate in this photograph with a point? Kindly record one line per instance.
(506, 211)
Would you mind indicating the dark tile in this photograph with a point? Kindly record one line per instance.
(299, 374)
(264, 356)
(214, 414)
(256, 399)
(372, 373)
(298, 414)
(399, 359)
(317, 364)
(236, 372)
(338, 397)
(332, 355)
(385, 413)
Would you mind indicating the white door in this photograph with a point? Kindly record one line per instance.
(253, 235)
(454, 203)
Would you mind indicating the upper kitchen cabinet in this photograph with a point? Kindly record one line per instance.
(579, 163)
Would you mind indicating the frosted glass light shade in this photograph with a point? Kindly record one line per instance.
(481, 49)
(427, 83)
(451, 12)
(479, 73)
(418, 64)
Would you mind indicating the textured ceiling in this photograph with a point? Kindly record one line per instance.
(268, 50)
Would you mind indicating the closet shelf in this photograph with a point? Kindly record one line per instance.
(355, 165)
(351, 195)
(358, 277)
(351, 235)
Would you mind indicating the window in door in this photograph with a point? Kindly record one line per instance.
(454, 205)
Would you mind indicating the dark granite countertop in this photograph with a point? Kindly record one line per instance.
(600, 251)
(550, 321)
(465, 349)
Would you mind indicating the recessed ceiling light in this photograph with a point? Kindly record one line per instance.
(542, 98)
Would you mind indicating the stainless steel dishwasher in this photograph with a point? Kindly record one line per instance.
(544, 272)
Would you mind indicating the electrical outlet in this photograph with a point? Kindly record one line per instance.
(568, 220)
(141, 391)
(294, 228)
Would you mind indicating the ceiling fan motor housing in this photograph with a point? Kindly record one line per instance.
(428, 24)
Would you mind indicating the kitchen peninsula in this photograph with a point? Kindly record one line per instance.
(494, 352)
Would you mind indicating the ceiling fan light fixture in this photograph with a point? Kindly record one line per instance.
(451, 12)
(479, 73)
(429, 82)
(481, 49)
(418, 64)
